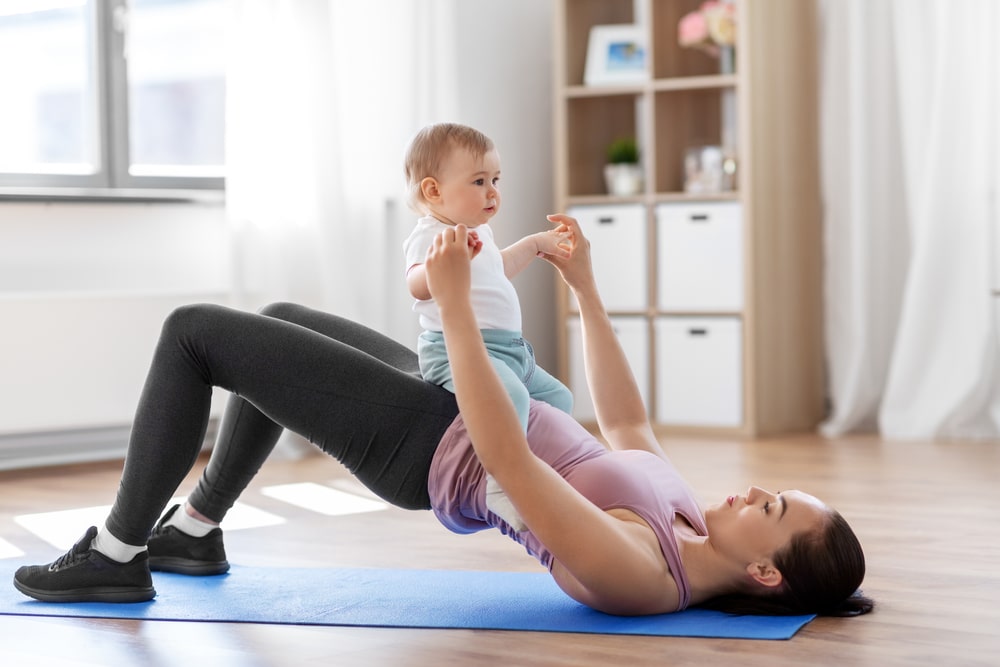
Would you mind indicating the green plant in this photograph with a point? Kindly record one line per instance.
(623, 151)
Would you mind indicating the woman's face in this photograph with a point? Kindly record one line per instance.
(751, 528)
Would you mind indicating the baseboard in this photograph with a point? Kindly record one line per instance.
(64, 447)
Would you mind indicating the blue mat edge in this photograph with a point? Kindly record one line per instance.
(489, 600)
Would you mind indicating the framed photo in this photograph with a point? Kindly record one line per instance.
(616, 54)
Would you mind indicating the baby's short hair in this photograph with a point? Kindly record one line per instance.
(428, 150)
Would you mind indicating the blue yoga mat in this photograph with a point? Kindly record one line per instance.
(400, 599)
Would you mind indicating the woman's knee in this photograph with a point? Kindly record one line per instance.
(281, 310)
(199, 321)
(184, 318)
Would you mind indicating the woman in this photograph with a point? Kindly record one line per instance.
(619, 530)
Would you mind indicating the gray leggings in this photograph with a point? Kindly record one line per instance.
(353, 392)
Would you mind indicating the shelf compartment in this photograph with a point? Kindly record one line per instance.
(592, 123)
(618, 248)
(580, 16)
(686, 119)
(699, 377)
(700, 257)
(633, 335)
(670, 59)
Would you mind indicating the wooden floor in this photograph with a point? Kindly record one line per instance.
(928, 515)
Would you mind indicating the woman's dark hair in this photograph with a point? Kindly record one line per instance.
(821, 571)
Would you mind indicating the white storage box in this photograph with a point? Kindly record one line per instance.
(699, 376)
(618, 251)
(700, 250)
(633, 334)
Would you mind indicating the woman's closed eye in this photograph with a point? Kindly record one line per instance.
(767, 506)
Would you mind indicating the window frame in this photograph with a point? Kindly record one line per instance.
(108, 21)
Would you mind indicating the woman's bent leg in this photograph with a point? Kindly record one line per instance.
(376, 415)
(249, 432)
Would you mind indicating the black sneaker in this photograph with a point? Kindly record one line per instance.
(170, 550)
(83, 574)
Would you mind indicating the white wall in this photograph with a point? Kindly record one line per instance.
(83, 290)
(505, 74)
(91, 248)
(84, 287)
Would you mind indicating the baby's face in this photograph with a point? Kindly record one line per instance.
(469, 188)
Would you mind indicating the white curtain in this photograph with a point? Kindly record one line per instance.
(910, 123)
(322, 98)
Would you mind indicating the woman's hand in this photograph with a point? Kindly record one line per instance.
(576, 269)
(447, 265)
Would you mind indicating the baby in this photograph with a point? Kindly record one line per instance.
(452, 172)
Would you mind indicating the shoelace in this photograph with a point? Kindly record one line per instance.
(70, 557)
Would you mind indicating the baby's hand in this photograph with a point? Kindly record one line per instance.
(475, 245)
(556, 242)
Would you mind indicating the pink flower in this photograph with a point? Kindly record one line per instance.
(692, 30)
(710, 26)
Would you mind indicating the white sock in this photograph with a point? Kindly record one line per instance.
(113, 548)
(189, 525)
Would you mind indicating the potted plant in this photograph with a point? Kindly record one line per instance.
(622, 173)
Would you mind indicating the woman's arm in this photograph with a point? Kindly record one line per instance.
(621, 414)
(520, 253)
(610, 566)
(416, 275)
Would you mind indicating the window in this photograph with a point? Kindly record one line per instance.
(112, 94)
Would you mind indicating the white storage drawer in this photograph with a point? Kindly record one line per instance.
(699, 376)
(633, 334)
(700, 250)
(618, 250)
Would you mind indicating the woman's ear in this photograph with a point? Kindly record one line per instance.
(764, 573)
(430, 189)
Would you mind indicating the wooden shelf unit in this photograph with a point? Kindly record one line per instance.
(781, 378)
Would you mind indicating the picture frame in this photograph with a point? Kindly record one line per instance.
(616, 54)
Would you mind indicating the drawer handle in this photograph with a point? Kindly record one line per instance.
(605, 221)
(699, 217)
(697, 332)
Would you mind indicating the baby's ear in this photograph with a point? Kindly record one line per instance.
(430, 189)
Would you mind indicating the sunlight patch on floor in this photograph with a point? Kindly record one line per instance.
(8, 550)
(351, 485)
(63, 528)
(322, 499)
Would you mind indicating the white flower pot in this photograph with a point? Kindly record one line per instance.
(623, 180)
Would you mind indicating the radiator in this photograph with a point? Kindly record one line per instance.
(72, 367)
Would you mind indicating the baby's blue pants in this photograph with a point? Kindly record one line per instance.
(514, 361)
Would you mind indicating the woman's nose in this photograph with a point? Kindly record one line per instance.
(754, 493)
